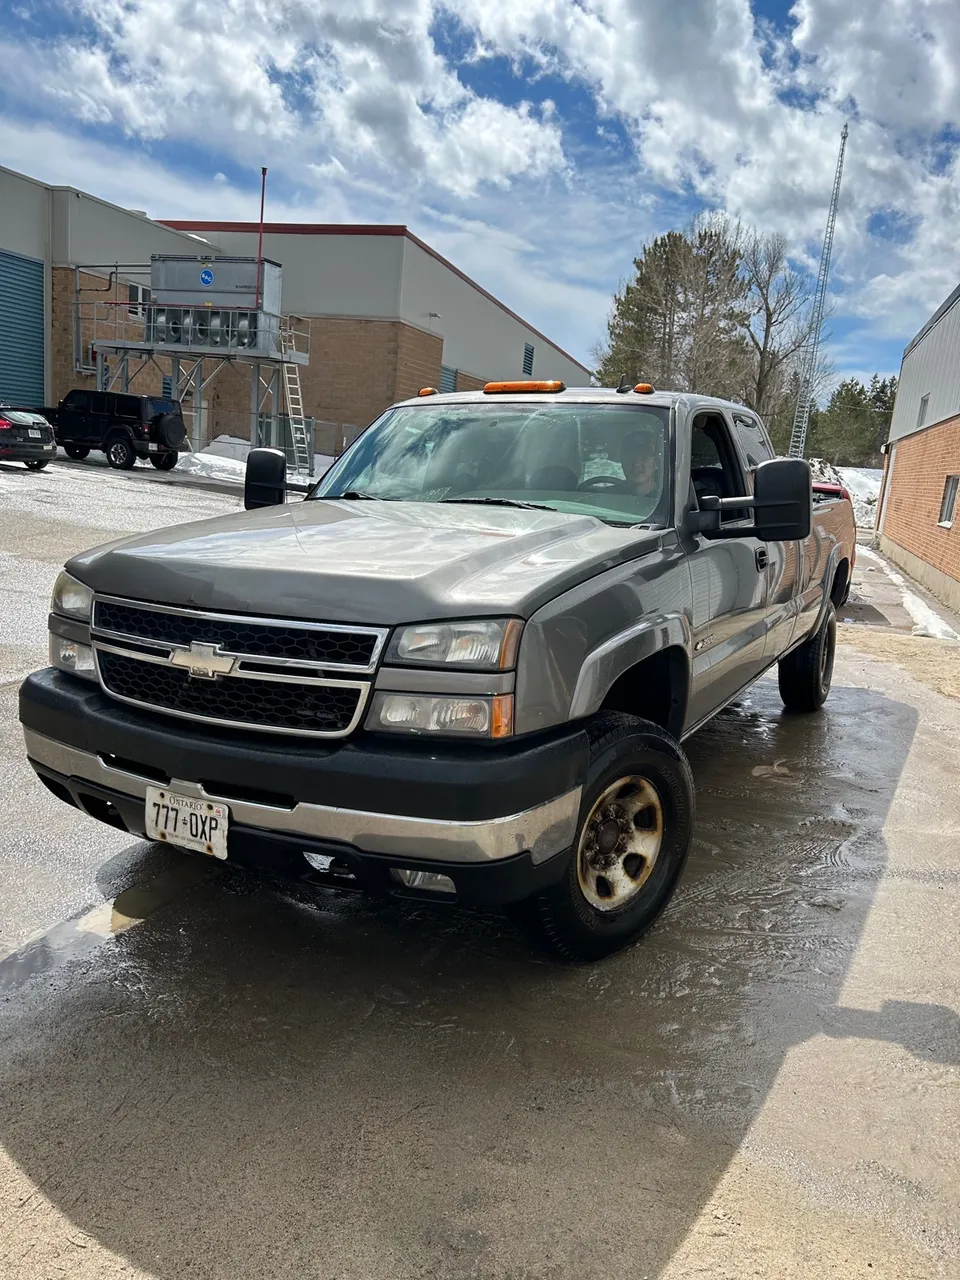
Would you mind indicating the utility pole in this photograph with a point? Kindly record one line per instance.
(808, 368)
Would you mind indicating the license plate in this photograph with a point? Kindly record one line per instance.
(33, 433)
(192, 824)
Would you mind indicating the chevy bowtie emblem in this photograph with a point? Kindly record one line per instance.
(205, 661)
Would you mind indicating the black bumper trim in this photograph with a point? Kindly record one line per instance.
(440, 780)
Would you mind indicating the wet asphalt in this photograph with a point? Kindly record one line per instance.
(203, 1075)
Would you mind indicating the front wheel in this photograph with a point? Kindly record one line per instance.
(121, 454)
(806, 674)
(37, 464)
(76, 451)
(164, 461)
(633, 836)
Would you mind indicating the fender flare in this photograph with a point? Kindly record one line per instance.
(625, 649)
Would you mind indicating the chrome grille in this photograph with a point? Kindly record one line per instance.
(275, 676)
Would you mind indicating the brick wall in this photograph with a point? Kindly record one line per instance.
(914, 494)
(467, 382)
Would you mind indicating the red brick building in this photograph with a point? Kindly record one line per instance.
(918, 522)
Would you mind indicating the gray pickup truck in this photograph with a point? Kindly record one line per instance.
(463, 666)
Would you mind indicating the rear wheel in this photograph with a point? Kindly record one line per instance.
(633, 837)
(38, 464)
(120, 452)
(164, 461)
(76, 451)
(806, 674)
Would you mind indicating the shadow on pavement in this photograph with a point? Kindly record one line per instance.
(247, 1085)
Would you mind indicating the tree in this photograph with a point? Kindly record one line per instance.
(778, 324)
(712, 309)
(855, 423)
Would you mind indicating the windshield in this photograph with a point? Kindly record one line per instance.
(23, 418)
(605, 460)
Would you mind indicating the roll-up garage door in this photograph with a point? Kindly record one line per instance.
(21, 330)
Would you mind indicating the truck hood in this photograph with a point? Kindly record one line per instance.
(382, 563)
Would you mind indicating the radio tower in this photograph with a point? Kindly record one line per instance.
(808, 368)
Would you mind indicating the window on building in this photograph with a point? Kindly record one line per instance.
(138, 296)
(949, 503)
(448, 379)
(922, 415)
(528, 359)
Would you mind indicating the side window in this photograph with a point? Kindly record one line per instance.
(100, 402)
(77, 400)
(128, 407)
(715, 469)
(753, 441)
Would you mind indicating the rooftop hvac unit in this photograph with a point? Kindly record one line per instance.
(213, 329)
(176, 280)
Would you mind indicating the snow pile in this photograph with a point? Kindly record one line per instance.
(862, 482)
(927, 622)
(224, 460)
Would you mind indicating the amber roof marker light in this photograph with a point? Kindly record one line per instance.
(428, 391)
(644, 389)
(511, 388)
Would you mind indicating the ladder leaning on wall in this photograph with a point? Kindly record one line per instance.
(303, 463)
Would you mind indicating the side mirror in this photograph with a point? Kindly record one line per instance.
(783, 500)
(265, 479)
(782, 503)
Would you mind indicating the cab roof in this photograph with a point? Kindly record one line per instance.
(582, 395)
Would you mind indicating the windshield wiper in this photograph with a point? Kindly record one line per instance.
(353, 495)
(503, 502)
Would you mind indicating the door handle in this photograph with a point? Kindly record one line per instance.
(761, 557)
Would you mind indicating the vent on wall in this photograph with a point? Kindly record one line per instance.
(448, 379)
(528, 359)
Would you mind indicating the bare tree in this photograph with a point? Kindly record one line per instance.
(777, 326)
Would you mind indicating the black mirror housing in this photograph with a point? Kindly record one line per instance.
(265, 479)
(783, 500)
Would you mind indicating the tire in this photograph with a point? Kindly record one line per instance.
(805, 675)
(76, 451)
(170, 431)
(636, 771)
(164, 461)
(120, 452)
(37, 464)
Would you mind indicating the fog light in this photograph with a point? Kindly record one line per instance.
(428, 880)
(69, 655)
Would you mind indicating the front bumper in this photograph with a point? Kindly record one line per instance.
(496, 820)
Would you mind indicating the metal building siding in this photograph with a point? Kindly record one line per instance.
(931, 366)
(21, 330)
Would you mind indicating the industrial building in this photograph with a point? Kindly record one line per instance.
(379, 314)
(918, 522)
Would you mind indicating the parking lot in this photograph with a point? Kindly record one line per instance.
(206, 1076)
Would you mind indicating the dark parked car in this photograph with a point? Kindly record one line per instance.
(125, 427)
(25, 436)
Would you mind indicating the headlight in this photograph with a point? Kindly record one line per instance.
(71, 598)
(489, 643)
(423, 713)
(70, 655)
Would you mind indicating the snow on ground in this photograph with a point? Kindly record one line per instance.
(862, 482)
(224, 460)
(927, 622)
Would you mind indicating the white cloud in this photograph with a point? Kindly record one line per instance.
(360, 115)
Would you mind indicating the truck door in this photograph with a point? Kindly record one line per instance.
(102, 407)
(729, 579)
(783, 558)
(73, 418)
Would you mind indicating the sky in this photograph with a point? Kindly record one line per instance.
(536, 145)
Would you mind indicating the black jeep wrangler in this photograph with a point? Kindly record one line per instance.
(124, 426)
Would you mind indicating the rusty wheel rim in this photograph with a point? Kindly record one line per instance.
(620, 844)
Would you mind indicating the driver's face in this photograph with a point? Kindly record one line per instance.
(640, 470)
